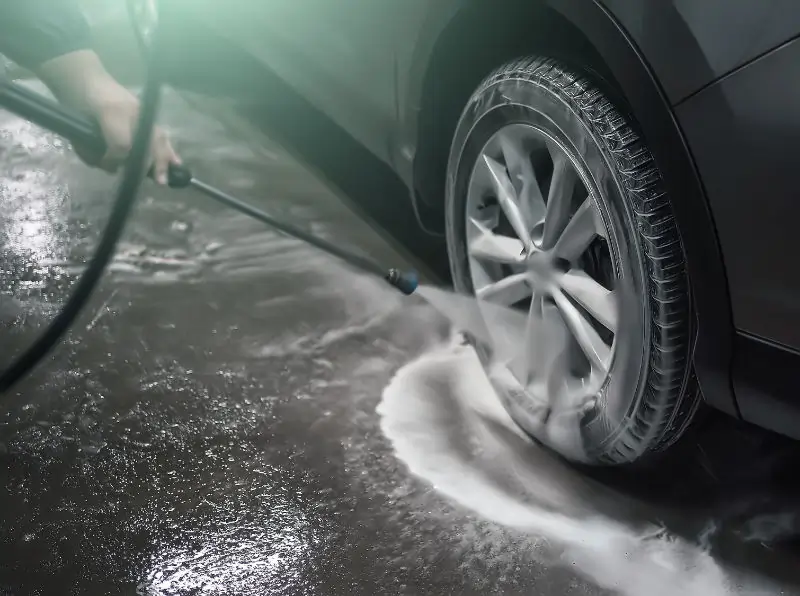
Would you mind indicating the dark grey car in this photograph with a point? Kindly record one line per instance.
(620, 171)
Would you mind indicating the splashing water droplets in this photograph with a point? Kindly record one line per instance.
(476, 318)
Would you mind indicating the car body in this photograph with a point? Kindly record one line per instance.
(711, 87)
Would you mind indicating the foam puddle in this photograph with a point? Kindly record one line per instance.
(446, 424)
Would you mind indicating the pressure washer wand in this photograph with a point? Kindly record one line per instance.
(82, 131)
(406, 282)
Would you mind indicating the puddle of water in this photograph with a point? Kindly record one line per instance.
(446, 424)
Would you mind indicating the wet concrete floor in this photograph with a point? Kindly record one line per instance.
(210, 425)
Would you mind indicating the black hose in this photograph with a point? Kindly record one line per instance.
(126, 196)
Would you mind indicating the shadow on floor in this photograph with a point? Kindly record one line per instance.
(730, 486)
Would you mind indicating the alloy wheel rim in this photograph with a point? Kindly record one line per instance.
(538, 241)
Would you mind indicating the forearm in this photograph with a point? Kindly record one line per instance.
(80, 80)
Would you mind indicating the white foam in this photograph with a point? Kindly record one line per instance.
(445, 422)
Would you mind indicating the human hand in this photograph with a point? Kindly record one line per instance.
(79, 80)
(117, 111)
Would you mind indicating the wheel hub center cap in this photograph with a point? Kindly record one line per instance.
(542, 269)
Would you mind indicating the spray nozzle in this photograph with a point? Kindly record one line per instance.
(405, 281)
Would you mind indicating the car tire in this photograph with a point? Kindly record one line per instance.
(648, 395)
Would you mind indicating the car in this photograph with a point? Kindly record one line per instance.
(621, 172)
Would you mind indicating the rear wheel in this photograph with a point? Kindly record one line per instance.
(555, 208)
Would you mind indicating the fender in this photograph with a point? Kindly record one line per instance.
(649, 102)
(715, 333)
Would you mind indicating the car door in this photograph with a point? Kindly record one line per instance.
(690, 44)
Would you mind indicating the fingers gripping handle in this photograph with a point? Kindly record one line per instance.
(79, 129)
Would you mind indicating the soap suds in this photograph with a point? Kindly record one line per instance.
(446, 424)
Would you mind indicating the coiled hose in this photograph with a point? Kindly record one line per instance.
(126, 196)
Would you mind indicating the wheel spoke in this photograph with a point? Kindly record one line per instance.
(596, 350)
(507, 291)
(559, 199)
(488, 246)
(524, 366)
(555, 359)
(506, 197)
(579, 233)
(520, 169)
(543, 359)
(597, 300)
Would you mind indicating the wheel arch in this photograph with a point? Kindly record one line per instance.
(586, 35)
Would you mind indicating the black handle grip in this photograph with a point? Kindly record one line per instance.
(179, 176)
(79, 129)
